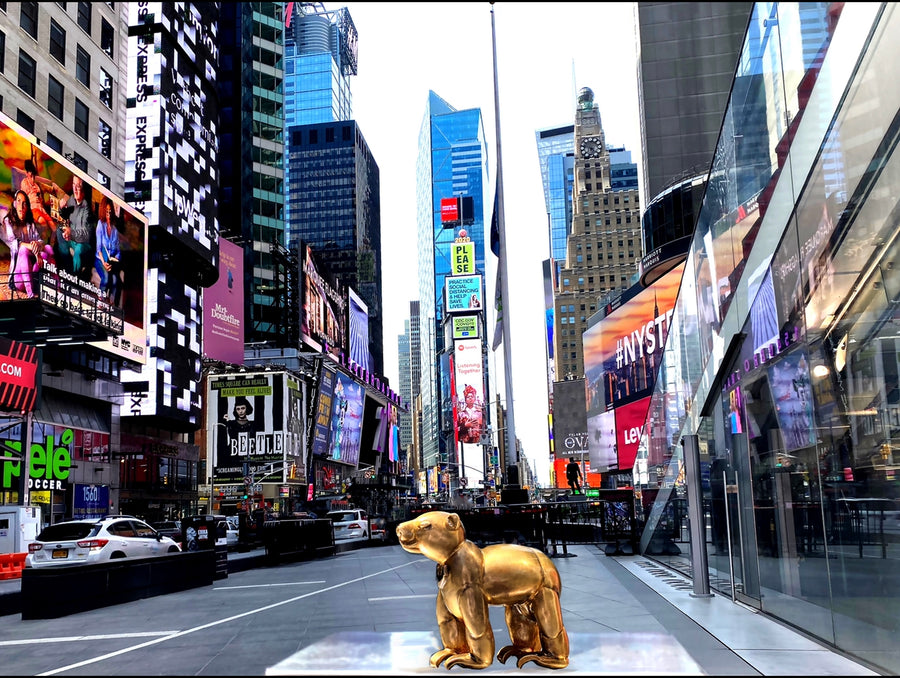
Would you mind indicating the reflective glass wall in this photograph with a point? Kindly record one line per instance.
(784, 359)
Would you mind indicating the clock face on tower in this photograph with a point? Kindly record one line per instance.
(591, 147)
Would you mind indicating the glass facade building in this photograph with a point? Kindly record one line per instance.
(334, 196)
(782, 363)
(251, 153)
(319, 58)
(556, 155)
(452, 161)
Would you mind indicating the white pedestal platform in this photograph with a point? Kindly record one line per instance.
(407, 653)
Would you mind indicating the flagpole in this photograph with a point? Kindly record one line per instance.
(512, 454)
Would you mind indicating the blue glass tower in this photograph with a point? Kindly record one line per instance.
(319, 58)
(452, 161)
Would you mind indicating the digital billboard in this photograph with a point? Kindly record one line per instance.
(171, 169)
(468, 391)
(358, 330)
(247, 414)
(346, 420)
(622, 354)
(223, 308)
(322, 421)
(71, 243)
(19, 366)
(323, 306)
(463, 293)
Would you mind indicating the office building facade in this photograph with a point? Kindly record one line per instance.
(780, 374)
(452, 161)
(335, 206)
(251, 156)
(604, 246)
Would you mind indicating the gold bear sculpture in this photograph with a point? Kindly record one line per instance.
(522, 579)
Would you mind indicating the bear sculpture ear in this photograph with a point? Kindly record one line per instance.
(453, 521)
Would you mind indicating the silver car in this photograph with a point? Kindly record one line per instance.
(95, 541)
(349, 524)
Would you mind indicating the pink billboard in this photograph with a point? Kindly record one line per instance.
(223, 308)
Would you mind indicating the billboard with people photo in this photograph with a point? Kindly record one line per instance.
(68, 242)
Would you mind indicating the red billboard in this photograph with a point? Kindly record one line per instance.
(19, 365)
(449, 210)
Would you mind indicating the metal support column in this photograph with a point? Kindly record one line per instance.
(695, 516)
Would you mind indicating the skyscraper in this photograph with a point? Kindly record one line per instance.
(335, 207)
(604, 247)
(251, 155)
(319, 58)
(452, 162)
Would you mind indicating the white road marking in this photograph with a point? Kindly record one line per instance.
(69, 639)
(262, 586)
(423, 595)
(226, 620)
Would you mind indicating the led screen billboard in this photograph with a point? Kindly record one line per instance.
(323, 306)
(463, 293)
(70, 242)
(468, 390)
(322, 422)
(358, 330)
(346, 420)
(171, 170)
(20, 365)
(223, 308)
(622, 354)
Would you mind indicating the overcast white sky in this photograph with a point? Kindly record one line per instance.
(545, 53)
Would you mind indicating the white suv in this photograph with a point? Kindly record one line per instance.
(94, 541)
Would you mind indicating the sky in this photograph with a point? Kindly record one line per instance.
(546, 52)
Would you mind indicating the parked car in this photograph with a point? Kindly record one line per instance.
(349, 524)
(169, 528)
(95, 541)
(230, 531)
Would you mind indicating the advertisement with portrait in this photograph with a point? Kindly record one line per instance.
(68, 241)
(247, 420)
(19, 364)
(468, 391)
(323, 306)
(463, 293)
(622, 354)
(358, 330)
(295, 446)
(346, 420)
(223, 308)
(171, 174)
(321, 433)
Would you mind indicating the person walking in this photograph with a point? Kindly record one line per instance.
(573, 476)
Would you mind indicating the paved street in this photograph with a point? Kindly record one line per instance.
(371, 610)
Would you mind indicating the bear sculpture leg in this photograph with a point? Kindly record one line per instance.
(537, 633)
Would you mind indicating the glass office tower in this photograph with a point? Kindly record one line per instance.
(452, 161)
(782, 361)
(334, 195)
(251, 154)
(319, 58)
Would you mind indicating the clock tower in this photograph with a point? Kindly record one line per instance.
(604, 246)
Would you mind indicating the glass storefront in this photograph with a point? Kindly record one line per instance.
(785, 358)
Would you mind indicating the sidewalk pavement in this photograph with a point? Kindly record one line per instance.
(648, 609)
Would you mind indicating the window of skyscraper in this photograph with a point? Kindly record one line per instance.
(57, 42)
(84, 16)
(28, 18)
(55, 96)
(27, 73)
